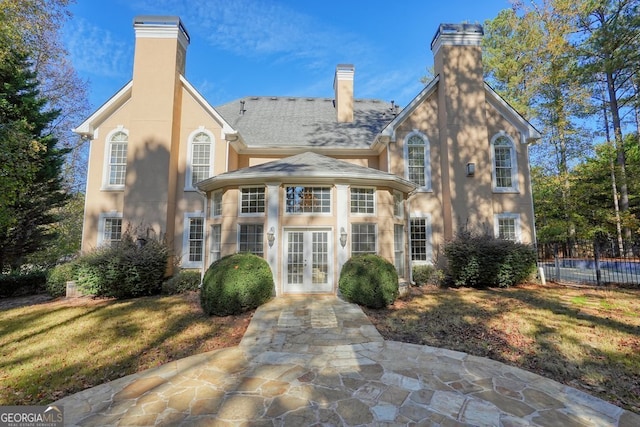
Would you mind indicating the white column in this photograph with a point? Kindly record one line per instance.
(342, 223)
(273, 213)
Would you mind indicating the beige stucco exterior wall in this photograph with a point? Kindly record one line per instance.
(97, 200)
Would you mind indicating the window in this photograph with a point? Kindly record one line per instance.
(398, 204)
(216, 240)
(504, 164)
(109, 228)
(216, 204)
(420, 229)
(398, 248)
(308, 200)
(418, 167)
(252, 200)
(193, 240)
(363, 239)
(200, 157)
(117, 167)
(196, 238)
(507, 226)
(251, 239)
(363, 201)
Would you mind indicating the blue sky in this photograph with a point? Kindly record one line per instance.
(274, 48)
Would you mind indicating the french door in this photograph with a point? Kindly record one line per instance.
(308, 261)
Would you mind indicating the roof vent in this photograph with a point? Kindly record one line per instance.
(242, 109)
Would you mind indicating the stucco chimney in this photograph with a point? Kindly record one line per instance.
(462, 125)
(343, 87)
(449, 35)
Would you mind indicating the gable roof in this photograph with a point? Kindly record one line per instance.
(87, 128)
(530, 133)
(307, 167)
(304, 123)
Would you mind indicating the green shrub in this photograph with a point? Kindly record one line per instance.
(125, 270)
(427, 275)
(182, 282)
(20, 284)
(236, 283)
(58, 277)
(369, 280)
(484, 261)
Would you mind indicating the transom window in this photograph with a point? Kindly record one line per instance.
(252, 200)
(117, 168)
(418, 168)
(363, 200)
(363, 239)
(504, 165)
(200, 158)
(308, 200)
(251, 239)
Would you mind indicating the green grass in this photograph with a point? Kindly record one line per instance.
(50, 350)
(585, 338)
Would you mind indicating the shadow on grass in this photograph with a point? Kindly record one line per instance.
(100, 344)
(527, 329)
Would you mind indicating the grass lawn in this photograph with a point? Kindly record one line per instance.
(53, 349)
(586, 338)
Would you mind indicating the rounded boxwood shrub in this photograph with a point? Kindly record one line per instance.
(236, 283)
(369, 280)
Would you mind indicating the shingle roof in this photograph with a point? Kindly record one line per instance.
(305, 122)
(307, 166)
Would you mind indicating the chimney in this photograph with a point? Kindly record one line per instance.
(455, 35)
(343, 87)
(158, 39)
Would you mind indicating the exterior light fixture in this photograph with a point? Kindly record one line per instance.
(271, 236)
(471, 169)
(343, 237)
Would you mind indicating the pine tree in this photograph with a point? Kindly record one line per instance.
(30, 164)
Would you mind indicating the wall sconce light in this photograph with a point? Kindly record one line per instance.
(471, 169)
(343, 237)
(271, 236)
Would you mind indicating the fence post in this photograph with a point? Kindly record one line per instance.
(556, 260)
(596, 255)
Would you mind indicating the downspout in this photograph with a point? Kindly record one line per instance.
(205, 252)
(407, 215)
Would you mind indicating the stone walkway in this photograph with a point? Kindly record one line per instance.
(319, 361)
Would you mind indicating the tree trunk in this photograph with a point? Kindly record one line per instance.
(614, 187)
(620, 154)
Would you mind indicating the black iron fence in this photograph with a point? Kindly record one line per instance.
(599, 262)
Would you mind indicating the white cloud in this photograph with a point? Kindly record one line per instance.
(96, 51)
(258, 28)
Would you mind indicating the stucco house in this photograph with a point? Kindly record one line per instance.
(306, 182)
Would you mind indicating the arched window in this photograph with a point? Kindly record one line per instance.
(505, 170)
(117, 159)
(418, 167)
(200, 158)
